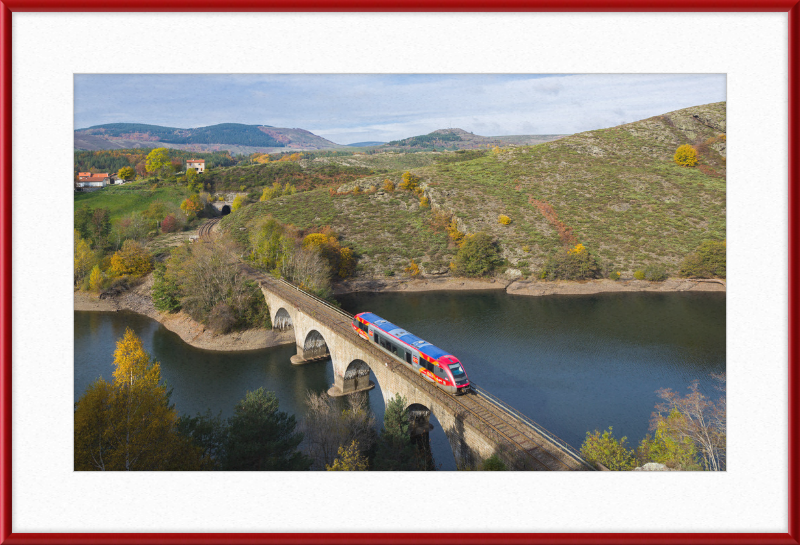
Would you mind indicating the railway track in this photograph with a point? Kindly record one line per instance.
(204, 232)
(541, 449)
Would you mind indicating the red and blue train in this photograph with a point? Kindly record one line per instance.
(431, 362)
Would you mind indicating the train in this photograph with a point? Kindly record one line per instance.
(433, 363)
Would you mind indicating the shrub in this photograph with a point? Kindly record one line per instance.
(605, 449)
(453, 232)
(424, 202)
(686, 156)
(572, 264)
(132, 260)
(478, 256)
(614, 275)
(503, 219)
(493, 463)
(388, 185)
(221, 318)
(165, 292)
(410, 182)
(413, 269)
(655, 273)
(357, 190)
(169, 224)
(639, 275)
(708, 261)
(237, 203)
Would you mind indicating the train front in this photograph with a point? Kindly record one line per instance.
(457, 373)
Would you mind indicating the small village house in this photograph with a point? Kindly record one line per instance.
(198, 164)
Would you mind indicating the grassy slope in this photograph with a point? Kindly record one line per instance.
(617, 189)
(122, 200)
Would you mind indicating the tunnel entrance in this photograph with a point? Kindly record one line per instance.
(226, 210)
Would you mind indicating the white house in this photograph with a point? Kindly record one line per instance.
(95, 181)
(198, 164)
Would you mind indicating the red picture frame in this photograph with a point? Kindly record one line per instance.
(8, 7)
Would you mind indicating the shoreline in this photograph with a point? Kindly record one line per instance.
(532, 288)
(193, 333)
(196, 334)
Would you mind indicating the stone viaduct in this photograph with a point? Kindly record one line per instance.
(476, 425)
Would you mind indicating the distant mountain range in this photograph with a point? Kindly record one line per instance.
(239, 138)
(236, 137)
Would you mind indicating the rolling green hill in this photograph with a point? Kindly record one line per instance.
(617, 191)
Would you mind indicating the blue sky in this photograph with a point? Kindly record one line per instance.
(365, 107)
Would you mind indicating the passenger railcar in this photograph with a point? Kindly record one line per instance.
(431, 362)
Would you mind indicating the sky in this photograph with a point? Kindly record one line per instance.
(350, 108)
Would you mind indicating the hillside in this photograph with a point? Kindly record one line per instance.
(617, 191)
(457, 139)
(235, 137)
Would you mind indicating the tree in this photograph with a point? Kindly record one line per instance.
(350, 459)
(165, 292)
(157, 160)
(262, 438)
(237, 203)
(128, 424)
(667, 448)
(605, 449)
(96, 279)
(707, 261)
(395, 450)
(131, 260)
(327, 428)
(191, 179)
(478, 256)
(85, 259)
(698, 419)
(410, 181)
(126, 173)
(192, 205)
(686, 156)
(209, 433)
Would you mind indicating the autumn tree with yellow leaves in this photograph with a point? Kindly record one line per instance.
(128, 424)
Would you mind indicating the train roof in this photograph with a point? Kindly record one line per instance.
(433, 352)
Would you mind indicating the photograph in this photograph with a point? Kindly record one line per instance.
(400, 272)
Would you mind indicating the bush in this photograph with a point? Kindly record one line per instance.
(413, 269)
(478, 256)
(96, 279)
(686, 156)
(708, 261)
(221, 318)
(132, 260)
(494, 463)
(638, 275)
(655, 273)
(573, 264)
(605, 449)
(410, 182)
(424, 202)
(503, 219)
(165, 292)
(388, 185)
(169, 224)
(614, 275)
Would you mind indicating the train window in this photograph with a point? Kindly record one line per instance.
(458, 372)
(393, 348)
(363, 327)
(377, 338)
(428, 365)
(408, 357)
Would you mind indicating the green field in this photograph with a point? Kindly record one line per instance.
(122, 200)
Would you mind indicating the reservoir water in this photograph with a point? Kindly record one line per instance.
(572, 363)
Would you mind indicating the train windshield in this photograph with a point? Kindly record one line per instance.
(458, 372)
